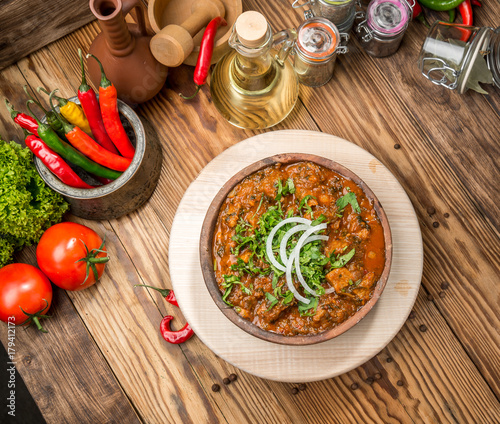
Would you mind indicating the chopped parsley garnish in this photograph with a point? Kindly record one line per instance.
(241, 266)
(271, 299)
(318, 220)
(309, 309)
(349, 198)
(341, 261)
(303, 204)
(260, 204)
(283, 190)
(228, 284)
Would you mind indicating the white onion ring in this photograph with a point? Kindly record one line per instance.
(269, 241)
(295, 255)
(286, 237)
(291, 287)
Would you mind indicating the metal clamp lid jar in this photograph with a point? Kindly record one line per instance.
(316, 49)
(458, 57)
(339, 12)
(384, 26)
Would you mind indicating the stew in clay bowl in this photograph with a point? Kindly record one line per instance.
(295, 249)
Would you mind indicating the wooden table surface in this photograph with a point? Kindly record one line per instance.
(104, 360)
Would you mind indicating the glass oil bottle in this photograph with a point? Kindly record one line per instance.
(255, 85)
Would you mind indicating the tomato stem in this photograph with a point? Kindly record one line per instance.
(35, 318)
(38, 325)
(99, 260)
(91, 259)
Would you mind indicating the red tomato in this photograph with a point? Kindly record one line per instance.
(24, 286)
(62, 255)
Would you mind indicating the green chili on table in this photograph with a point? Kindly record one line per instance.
(440, 5)
(49, 136)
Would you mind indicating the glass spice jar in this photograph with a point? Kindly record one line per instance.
(459, 57)
(339, 12)
(316, 50)
(384, 26)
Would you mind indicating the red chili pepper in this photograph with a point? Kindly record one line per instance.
(476, 3)
(465, 10)
(86, 145)
(166, 293)
(205, 56)
(94, 151)
(90, 106)
(23, 120)
(108, 100)
(54, 162)
(417, 10)
(175, 337)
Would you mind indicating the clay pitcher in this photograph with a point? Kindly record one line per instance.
(123, 49)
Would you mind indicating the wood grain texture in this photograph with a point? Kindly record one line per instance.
(449, 373)
(28, 25)
(80, 387)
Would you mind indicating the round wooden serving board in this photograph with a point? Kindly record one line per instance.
(296, 363)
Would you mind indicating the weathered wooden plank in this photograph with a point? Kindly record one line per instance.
(28, 25)
(422, 376)
(64, 369)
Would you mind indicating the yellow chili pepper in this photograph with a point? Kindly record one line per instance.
(71, 111)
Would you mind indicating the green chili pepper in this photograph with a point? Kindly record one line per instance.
(50, 115)
(440, 5)
(452, 13)
(49, 136)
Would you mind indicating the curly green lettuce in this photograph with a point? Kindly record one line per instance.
(27, 205)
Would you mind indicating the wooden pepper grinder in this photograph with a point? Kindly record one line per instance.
(174, 43)
(124, 52)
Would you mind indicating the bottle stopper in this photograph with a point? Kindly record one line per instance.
(251, 28)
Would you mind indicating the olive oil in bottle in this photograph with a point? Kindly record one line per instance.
(255, 86)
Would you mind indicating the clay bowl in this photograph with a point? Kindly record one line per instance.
(206, 259)
(165, 12)
(126, 193)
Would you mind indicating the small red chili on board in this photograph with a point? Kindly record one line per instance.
(205, 56)
(108, 101)
(174, 337)
(166, 293)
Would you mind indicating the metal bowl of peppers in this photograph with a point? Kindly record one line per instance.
(109, 199)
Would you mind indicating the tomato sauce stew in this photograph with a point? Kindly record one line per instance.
(340, 264)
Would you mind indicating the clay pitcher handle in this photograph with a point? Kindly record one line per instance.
(128, 5)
